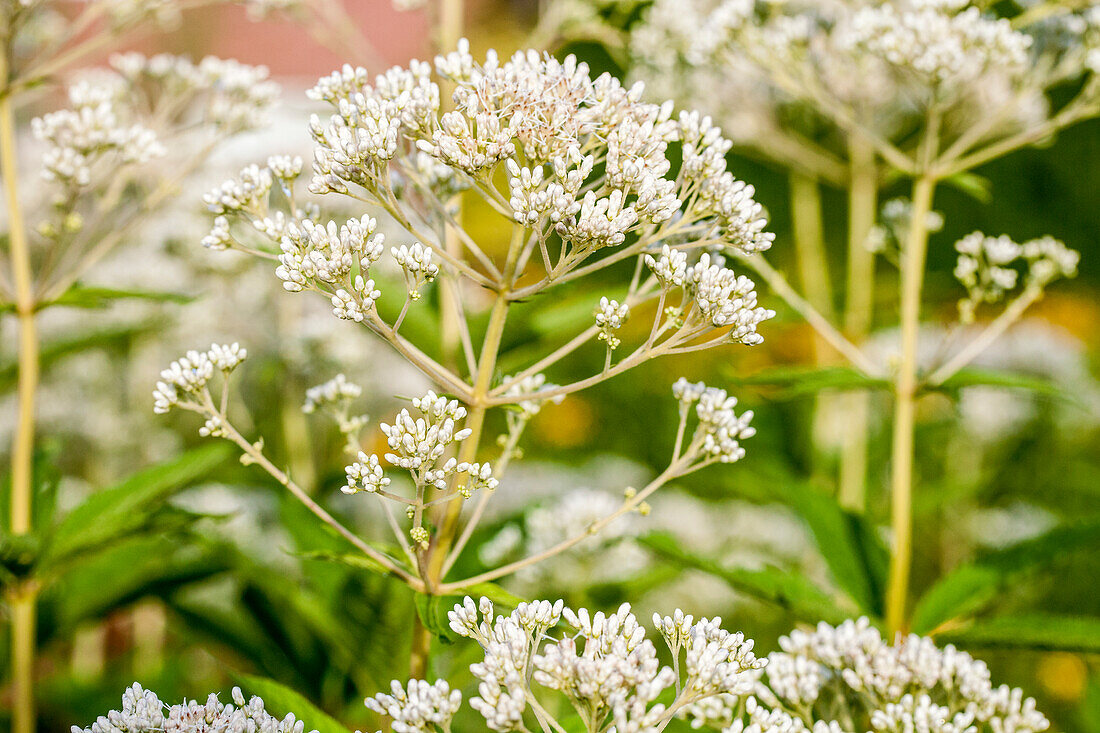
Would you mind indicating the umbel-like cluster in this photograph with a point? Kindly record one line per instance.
(143, 712)
(987, 267)
(580, 165)
(843, 679)
(871, 66)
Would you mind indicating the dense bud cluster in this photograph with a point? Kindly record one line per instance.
(143, 712)
(186, 378)
(720, 430)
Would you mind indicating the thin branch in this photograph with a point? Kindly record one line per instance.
(985, 339)
(824, 328)
(262, 461)
(674, 470)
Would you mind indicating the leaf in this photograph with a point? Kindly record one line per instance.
(432, 611)
(123, 573)
(971, 587)
(111, 513)
(790, 590)
(494, 593)
(280, 700)
(96, 297)
(797, 381)
(1030, 631)
(54, 351)
(849, 551)
(978, 187)
(971, 377)
(362, 562)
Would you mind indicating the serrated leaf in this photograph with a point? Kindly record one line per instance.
(1030, 631)
(970, 588)
(110, 513)
(280, 700)
(790, 590)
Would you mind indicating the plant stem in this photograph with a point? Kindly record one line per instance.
(905, 389)
(676, 469)
(475, 421)
(859, 302)
(992, 332)
(22, 452)
(818, 322)
(809, 241)
(421, 648)
(813, 272)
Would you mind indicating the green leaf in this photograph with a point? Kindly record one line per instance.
(111, 513)
(494, 593)
(969, 588)
(360, 561)
(54, 351)
(280, 700)
(978, 187)
(125, 572)
(96, 297)
(1030, 631)
(790, 590)
(797, 381)
(432, 611)
(971, 377)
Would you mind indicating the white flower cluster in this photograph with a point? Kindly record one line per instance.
(143, 712)
(234, 96)
(119, 116)
(720, 430)
(610, 554)
(605, 666)
(416, 265)
(720, 298)
(335, 260)
(609, 318)
(97, 128)
(908, 686)
(882, 63)
(985, 266)
(188, 376)
(418, 707)
(419, 446)
(335, 391)
(548, 122)
(946, 42)
(530, 385)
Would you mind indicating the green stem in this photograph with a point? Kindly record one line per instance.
(813, 272)
(22, 458)
(905, 392)
(859, 302)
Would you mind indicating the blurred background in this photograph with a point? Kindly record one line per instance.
(227, 586)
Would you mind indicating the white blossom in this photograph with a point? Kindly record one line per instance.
(143, 712)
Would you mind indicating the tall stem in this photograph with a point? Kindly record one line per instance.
(905, 389)
(22, 452)
(809, 241)
(813, 272)
(859, 303)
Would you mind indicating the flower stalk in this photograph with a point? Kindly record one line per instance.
(859, 302)
(22, 453)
